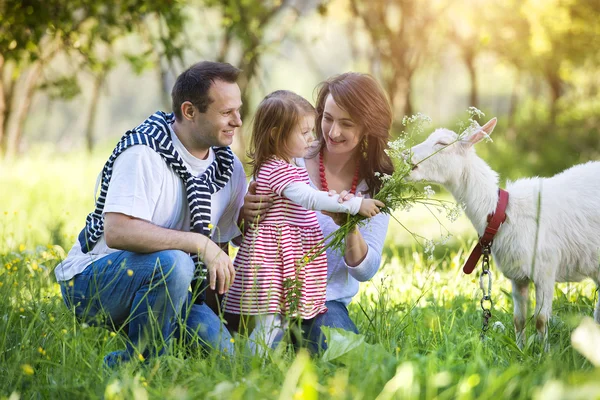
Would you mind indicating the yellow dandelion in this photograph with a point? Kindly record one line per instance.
(34, 266)
(22, 309)
(141, 357)
(22, 247)
(41, 351)
(64, 331)
(113, 334)
(232, 340)
(71, 283)
(210, 226)
(27, 369)
(8, 266)
(5, 212)
(129, 272)
(144, 383)
(51, 318)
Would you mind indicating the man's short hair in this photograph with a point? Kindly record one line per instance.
(193, 84)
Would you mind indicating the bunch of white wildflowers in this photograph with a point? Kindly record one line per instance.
(396, 192)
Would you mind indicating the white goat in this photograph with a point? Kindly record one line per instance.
(566, 230)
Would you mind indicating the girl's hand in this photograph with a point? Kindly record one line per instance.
(370, 207)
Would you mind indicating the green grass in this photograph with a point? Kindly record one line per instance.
(420, 321)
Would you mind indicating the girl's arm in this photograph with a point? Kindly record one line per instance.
(312, 199)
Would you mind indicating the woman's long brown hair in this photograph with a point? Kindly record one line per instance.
(275, 119)
(361, 96)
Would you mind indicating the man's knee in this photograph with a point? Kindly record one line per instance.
(174, 266)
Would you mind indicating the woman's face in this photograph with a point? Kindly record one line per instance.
(340, 132)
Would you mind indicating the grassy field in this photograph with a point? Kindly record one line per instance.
(419, 321)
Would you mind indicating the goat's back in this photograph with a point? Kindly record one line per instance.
(567, 227)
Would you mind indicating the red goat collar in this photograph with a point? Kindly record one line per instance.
(494, 221)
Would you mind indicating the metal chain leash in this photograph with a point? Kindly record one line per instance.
(486, 299)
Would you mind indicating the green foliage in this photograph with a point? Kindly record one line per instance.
(419, 321)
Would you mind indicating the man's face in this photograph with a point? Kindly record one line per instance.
(216, 127)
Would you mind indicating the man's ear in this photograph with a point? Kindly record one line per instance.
(188, 110)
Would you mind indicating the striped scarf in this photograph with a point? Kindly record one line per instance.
(154, 133)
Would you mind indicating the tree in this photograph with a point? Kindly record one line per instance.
(249, 30)
(35, 31)
(549, 40)
(400, 32)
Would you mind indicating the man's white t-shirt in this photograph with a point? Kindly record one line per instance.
(143, 186)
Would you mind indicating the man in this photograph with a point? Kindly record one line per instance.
(171, 189)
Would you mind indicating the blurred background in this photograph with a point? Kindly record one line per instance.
(76, 74)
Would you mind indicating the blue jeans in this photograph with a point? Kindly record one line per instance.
(141, 294)
(336, 316)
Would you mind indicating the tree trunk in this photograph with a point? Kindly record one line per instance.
(14, 135)
(93, 111)
(473, 97)
(555, 93)
(404, 103)
(511, 133)
(2, 103)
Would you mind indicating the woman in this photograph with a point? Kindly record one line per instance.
(352, 127)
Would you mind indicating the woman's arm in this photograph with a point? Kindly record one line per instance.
(364, 247)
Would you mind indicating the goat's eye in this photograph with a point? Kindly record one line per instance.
(442, 143)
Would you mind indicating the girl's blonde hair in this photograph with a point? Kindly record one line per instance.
(277, 116)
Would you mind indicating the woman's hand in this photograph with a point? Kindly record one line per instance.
(255, 206)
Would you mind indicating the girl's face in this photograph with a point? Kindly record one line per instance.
(340, 132)
(298, 142)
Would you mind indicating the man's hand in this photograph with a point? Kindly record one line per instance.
(255, 206)
(220, 268)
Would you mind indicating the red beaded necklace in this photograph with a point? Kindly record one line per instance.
(324, 185)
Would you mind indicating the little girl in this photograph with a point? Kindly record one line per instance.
(275, 281)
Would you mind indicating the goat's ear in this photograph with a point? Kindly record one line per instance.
(482, 132)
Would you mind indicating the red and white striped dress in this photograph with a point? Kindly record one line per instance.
(269, 272)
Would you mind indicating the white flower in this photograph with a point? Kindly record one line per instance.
(452, 213)
(444, 240)
(429, 246)
(428, 191)
(474, 111)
